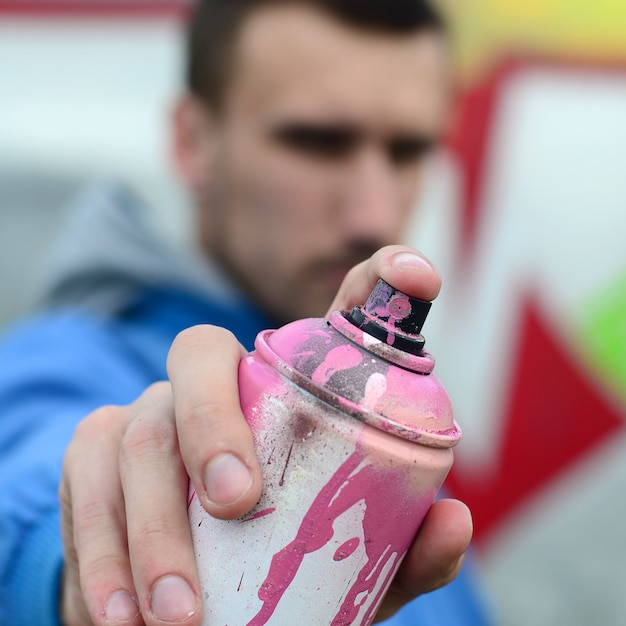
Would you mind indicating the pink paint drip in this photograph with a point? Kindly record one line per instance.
(338, 359)
(395, 309)
(374, 389)
(383, 542)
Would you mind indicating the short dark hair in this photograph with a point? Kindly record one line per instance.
(214, 26)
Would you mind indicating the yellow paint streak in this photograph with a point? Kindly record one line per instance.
(487, 30)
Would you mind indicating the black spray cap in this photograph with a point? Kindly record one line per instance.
(392, 317)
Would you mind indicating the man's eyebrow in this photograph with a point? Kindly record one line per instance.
(408, 147)
(318, 137)
(338, 139)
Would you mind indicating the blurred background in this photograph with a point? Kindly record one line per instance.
(525, 214)
(86, 90)
(527, 219)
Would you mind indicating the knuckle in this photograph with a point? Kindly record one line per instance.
(162, 534)
(158, 390)
(156, 531)
(151, 432)
(97, 424)
(89, 433)
(147, 435)
(188, 340)
(191, 335)
(102, 566)
(209, 415)
(91, 515)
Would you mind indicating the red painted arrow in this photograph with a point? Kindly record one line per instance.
(554, 416)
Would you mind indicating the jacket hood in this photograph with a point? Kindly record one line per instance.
(106, 251)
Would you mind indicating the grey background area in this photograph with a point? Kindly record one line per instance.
(32, 207)
(80, 101)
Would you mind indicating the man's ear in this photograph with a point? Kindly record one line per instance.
(193, 141)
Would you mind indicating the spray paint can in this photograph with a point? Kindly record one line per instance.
(355, 434)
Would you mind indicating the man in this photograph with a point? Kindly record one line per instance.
(302, 141)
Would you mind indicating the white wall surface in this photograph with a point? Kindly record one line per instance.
(81, 99)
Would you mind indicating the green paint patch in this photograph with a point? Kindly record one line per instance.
(603, 322)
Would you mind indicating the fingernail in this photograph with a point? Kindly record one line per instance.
(226, 479)
(173, 600)
(120, 606)
(410, 260)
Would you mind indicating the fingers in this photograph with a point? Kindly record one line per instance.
(437, 553)
(436, 556)
(402, 267)
(94, 526)
(215, 440)
(155, 489)
(129, 556)
(125, 523)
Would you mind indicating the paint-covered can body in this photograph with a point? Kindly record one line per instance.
(354, 436)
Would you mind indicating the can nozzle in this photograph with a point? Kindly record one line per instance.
(392, 317)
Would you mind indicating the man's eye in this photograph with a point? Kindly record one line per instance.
(404, 150)
(319, 141)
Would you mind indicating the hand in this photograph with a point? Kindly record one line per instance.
(129, 558)
(128, 553)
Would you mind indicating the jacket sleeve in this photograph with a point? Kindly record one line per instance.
(47, 385)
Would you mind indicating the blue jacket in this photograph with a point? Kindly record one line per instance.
(114, 299)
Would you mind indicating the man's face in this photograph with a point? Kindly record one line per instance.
(316, 156)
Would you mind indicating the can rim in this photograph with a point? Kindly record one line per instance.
(445, 438)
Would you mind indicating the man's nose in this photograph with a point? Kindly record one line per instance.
(372, 203)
